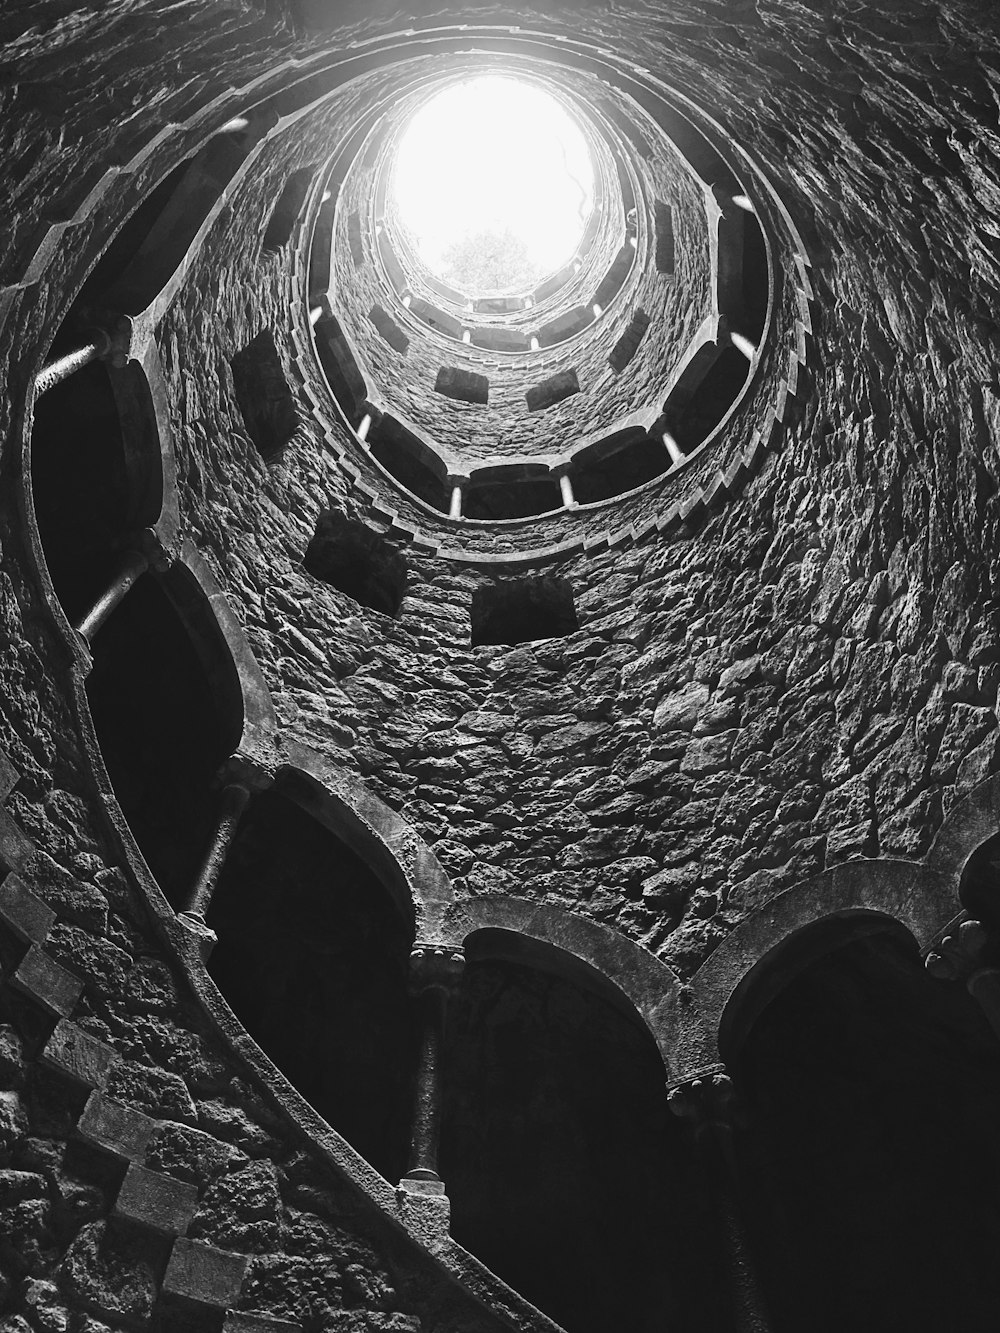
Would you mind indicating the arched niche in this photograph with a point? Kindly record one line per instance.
(313, 958)
(866, 1145)
(97, 473)
(168, 710)
(566, 1173)
(733, 984)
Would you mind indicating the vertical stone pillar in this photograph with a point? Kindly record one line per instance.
(434, 973)
(707, 1104)
(960, 956)
(458, 484)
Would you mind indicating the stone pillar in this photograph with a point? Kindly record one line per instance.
(566, 490)
(458, 485)
(434, 973)
(233, 800)
(57, 371)
(959, 956)
(131, 565)
(708, 1106)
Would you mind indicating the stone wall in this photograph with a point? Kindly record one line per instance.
(805, 676)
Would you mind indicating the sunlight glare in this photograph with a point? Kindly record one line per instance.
(494, 155)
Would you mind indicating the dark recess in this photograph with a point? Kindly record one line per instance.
(756, 283)
(165, 722)
(340, 367)
(389, 329)
(79, 485)
(523, 610)
(313, 959)
(288, 208)
(350, 557)
(511, 493)
(664, 222)
(464, 385)
(710, 401)
(567, 1174)
(553, 390)
(628, 344)
(638, 460)
(263, 395)
(399, 452)
(869, 1148)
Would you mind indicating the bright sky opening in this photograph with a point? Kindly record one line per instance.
(498, 160)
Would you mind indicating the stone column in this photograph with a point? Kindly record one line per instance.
(240, 781)
(708, 1106)
(960, 956)
(457, 484)
(57, 371)
(132, 564)
(434, 973)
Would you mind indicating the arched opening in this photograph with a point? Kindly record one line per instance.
(981, 882)
(566, 1172)
(515, 491)
(312, 957)
(80, 484)
(167, 710)
(756, 280)
(413, 465)
(870, 1165)
(692, 418)
(618, 464)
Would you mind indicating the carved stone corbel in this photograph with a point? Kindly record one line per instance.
(960, 956)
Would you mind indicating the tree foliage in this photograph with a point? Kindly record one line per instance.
(489, 261)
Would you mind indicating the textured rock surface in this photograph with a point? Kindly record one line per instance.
(807, 677)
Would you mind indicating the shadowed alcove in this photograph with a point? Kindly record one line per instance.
(566, 1171)
(80, 483)
(871, 1171)
(312, 957)
(167, 712)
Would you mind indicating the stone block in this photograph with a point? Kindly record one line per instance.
(155, 1200)
(115, 1128)
(8, 775)
(25, 913)
(16, 848)
(55, 988)
(78, 1055)
(257, 1323)
(201, 1273)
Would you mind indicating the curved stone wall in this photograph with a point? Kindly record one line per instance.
(762, 694)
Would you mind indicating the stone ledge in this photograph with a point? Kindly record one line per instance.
(45, 981)
(24, 912)
(201, 1273)
(78, 1055)
(116, 1128)
(157, 1201)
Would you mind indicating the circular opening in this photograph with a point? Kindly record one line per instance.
(494, 184)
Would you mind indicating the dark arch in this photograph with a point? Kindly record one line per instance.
(384, 839)
(565, 1169)
(918, 900)
(870, 1177)
(312, 955)
(167, 715)
(589, 951)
